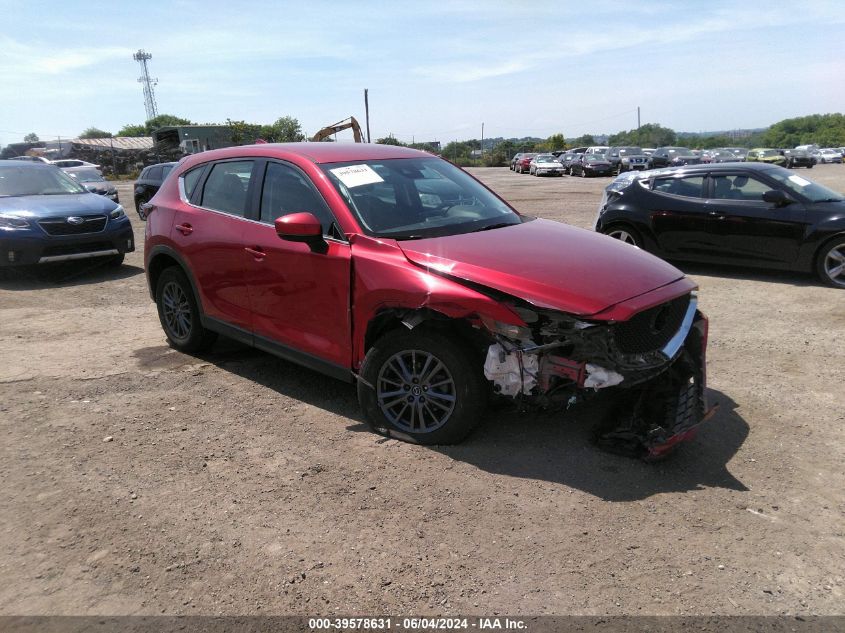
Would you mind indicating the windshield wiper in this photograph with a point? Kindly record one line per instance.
(490, 227)
(829, 200)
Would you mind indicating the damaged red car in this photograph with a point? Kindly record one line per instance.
(399, 272)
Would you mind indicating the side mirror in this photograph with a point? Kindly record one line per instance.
(776, 197)
(300, 227)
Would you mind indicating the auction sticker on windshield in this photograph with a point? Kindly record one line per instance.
(357, 175)
(798, 180)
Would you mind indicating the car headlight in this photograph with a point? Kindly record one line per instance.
(117, 213)
(507, 330)
(12, 223)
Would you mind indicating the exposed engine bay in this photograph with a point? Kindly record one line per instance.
(653, 363)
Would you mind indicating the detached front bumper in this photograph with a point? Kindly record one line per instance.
(652, 419)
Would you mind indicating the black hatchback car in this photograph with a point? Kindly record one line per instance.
(148, 184)
(730, 213)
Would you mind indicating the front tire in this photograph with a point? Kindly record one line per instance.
(830, 263)
(179, 313)
(422, 387)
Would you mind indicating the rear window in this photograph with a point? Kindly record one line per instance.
(190, 180)
(226, 186)
(689, 187)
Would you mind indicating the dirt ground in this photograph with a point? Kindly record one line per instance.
(237, 483)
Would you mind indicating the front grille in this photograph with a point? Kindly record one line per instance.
(73, 249)
(60, 226)
(651, 329)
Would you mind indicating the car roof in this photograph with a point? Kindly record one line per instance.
(27, 164)
(712, 167)
(321, 152)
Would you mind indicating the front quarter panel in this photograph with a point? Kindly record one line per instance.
(383, 278)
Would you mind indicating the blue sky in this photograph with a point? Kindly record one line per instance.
(435, 69)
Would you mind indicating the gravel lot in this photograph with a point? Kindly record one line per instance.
(237, 483)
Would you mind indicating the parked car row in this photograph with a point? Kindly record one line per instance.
(588, 161)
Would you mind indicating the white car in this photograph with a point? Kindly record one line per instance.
(545, 164)
(72, 162)
(30, 159)
(829, 155)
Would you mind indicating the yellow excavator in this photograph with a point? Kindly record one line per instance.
(351, 122)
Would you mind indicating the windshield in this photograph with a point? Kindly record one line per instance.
(803, 187)
(38, 181)
(548, 158)
(411, 198)
(593, 158)
(87, 175)
(770, 152)
(630, 150)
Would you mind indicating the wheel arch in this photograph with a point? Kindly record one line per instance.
(162, 257)
(390, 319)
(823, 244)
(649, 240)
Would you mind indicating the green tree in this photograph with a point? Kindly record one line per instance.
(556, 142)
(648, 135)
(389, 140)
(244, 133)
(585, 140)
(132, 130)
(825, 130)
(285, 129)
(165, 120)
(32, 137)
(146, 129)
(95, 132)
(426, 147)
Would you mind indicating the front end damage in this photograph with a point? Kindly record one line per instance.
(653, 363)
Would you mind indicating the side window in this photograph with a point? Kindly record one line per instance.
(738, 188)
(155, 173)
(226, 186)
(165, 171)
(689, 187)
(190, 180)
(286, 190)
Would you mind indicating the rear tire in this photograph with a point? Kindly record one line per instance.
(624, 233)
(179, 313)
(422, 387)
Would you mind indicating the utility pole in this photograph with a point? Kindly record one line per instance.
(482, 139)
(638, 117)
(367, 112)
(142, 57)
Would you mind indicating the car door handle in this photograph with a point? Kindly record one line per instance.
(185, 229)
(256, 252)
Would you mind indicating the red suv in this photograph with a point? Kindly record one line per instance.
(397, 271)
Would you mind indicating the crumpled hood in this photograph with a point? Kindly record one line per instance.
(56, 206)
(548, 264)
